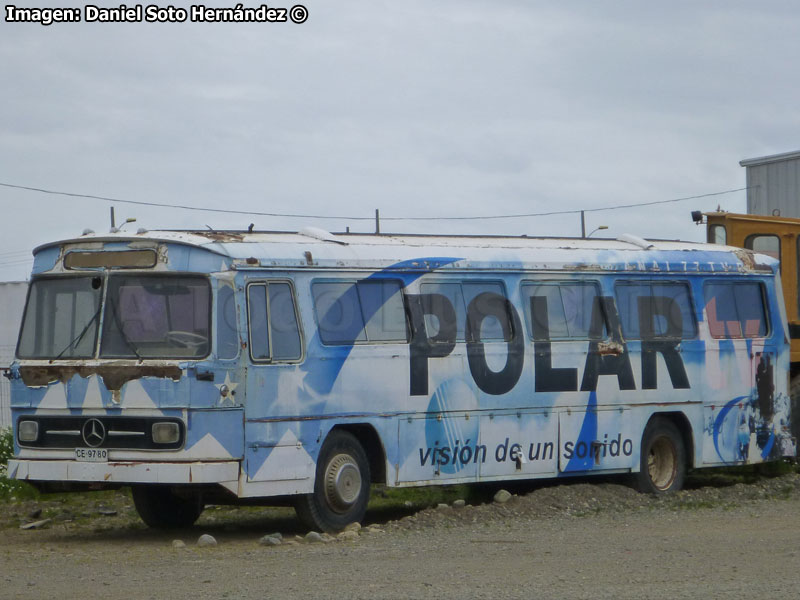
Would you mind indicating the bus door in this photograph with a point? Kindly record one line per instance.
(215, 421)
(273, 450)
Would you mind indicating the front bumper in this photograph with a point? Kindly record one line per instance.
(225, 473)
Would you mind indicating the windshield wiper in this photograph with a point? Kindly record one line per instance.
(77, 339)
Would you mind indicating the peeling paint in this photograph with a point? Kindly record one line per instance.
(610, 348)
(747, 258)
(221, 236)
(114, 376)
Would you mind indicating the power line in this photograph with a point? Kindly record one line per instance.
(180, 206)
(383, 218)
(563, 212)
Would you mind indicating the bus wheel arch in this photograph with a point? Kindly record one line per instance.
(371, 443)
(341, 484)
(663, 454)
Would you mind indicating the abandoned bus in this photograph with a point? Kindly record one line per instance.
(203, 366)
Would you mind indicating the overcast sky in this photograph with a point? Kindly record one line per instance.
(420, 109)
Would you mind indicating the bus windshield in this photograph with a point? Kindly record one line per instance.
(142, 317)
(61, 318)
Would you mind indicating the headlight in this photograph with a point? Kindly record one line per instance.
(166, 433)
(28, 431)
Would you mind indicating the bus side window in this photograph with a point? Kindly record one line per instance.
(655, 310)
(227, 331)
(735, 310)
(461, 296)
(443, 292)
(383, 311)
(492, 328)
(272, 318)
(569, 310)
(338, 313)
(283, 327)
(257, 320)
(360, 312)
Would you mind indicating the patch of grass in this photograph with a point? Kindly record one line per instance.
(10, 488)
(696, 504)
(726, 476)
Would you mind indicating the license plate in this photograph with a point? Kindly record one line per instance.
(91, 454)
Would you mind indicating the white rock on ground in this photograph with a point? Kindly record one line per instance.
(206, 541)
(270, 540)
(502, 496)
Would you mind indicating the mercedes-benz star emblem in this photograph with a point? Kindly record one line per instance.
(93, 432)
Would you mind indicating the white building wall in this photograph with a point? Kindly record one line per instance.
(773, 184)
(12, 303)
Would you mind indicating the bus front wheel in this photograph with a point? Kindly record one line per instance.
(161, 508)
(663, 459)
(341, 487)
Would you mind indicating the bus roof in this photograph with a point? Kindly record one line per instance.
(312, 247)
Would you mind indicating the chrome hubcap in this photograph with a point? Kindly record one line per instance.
(342, 482)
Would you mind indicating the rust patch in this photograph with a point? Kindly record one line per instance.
(221, 236)
(609, 348)
(747, 258)
(114, 376)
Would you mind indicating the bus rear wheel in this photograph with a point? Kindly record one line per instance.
(341, 487)
(161, 508)
(662, 467)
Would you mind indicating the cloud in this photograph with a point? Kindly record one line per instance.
(417, 109)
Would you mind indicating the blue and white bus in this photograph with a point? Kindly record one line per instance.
(219, 366)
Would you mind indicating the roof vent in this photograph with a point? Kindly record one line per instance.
(629, 238)
(320, 234)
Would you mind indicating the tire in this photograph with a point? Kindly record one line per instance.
(341, 485)
(662, 467)
(161, 508)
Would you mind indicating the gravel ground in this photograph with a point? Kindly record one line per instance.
(559, 541)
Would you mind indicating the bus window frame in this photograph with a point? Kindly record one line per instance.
(527, 313)
(301, 337)
(764, 308)
(630, 282)
(474, 281)
(366, 341)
